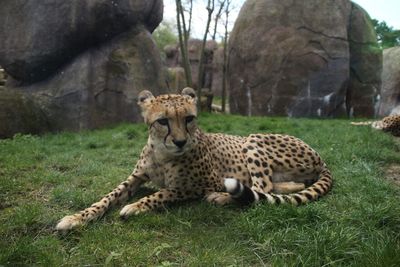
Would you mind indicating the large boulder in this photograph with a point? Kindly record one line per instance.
(390, 95)
(293, 58)
(82, 63)
(217, 71)
(100, 85)
(365, 65)
(38, 37)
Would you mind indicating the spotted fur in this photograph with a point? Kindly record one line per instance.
(187, 163)
(390, 124)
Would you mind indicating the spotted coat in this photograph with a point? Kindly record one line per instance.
(186, 163)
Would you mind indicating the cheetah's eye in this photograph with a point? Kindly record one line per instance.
(189, 119)
(163, 122)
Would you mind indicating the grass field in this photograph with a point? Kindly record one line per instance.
(44, 178)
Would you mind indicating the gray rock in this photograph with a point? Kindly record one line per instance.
(217, 71)
(20, 114)
(390, 95)
(79, 64)
(100, 86)
(291, 58)
(39, 37)
(365, 65)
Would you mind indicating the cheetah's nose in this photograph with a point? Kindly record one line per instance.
(179, 143)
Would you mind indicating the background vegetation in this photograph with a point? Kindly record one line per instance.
(165, 35)
(386, 35)
(44, 178)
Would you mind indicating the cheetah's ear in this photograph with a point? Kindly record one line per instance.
(189, 92)
(144, 96)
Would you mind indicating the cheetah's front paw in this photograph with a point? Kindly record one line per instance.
(132, 209)
(69, 222)
(219, 198)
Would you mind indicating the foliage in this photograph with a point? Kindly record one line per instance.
(165, 34)
(44, 178)
(386, 35)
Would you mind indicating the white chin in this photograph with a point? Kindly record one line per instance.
(179, 152)
(173, 151)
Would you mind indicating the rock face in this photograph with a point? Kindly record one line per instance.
(19, 114)
(217, 71)
(100, 85)
(82, 62)
(390, 95)
(365, 66)
(40, 36)
(303, 58)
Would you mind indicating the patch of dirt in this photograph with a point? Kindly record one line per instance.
(393, 174)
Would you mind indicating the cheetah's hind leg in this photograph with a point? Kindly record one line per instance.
(288, 187)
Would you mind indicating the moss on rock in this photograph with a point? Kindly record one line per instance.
(19, 114)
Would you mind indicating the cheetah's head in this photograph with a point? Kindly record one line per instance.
(171, 119)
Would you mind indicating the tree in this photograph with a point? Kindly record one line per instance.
(386, 35)
(215, 10)
(183, 34)
(225, 62)
(218, 17)
(184, 27)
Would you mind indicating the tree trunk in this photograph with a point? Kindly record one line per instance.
(225, 61)
(200, 82)
(183, 36)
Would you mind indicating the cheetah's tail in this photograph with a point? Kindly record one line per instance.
(245, 195)
(361, 123)
(374, 124)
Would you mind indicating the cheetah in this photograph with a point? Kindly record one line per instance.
(389, 124)
(186, 163)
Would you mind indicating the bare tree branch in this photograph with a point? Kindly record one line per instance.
(200, 79)
(190, 17)
(217, 17)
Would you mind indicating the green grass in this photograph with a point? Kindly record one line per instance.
(44, 178)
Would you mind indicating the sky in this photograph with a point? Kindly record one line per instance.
(382, 10)
(199, 14)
